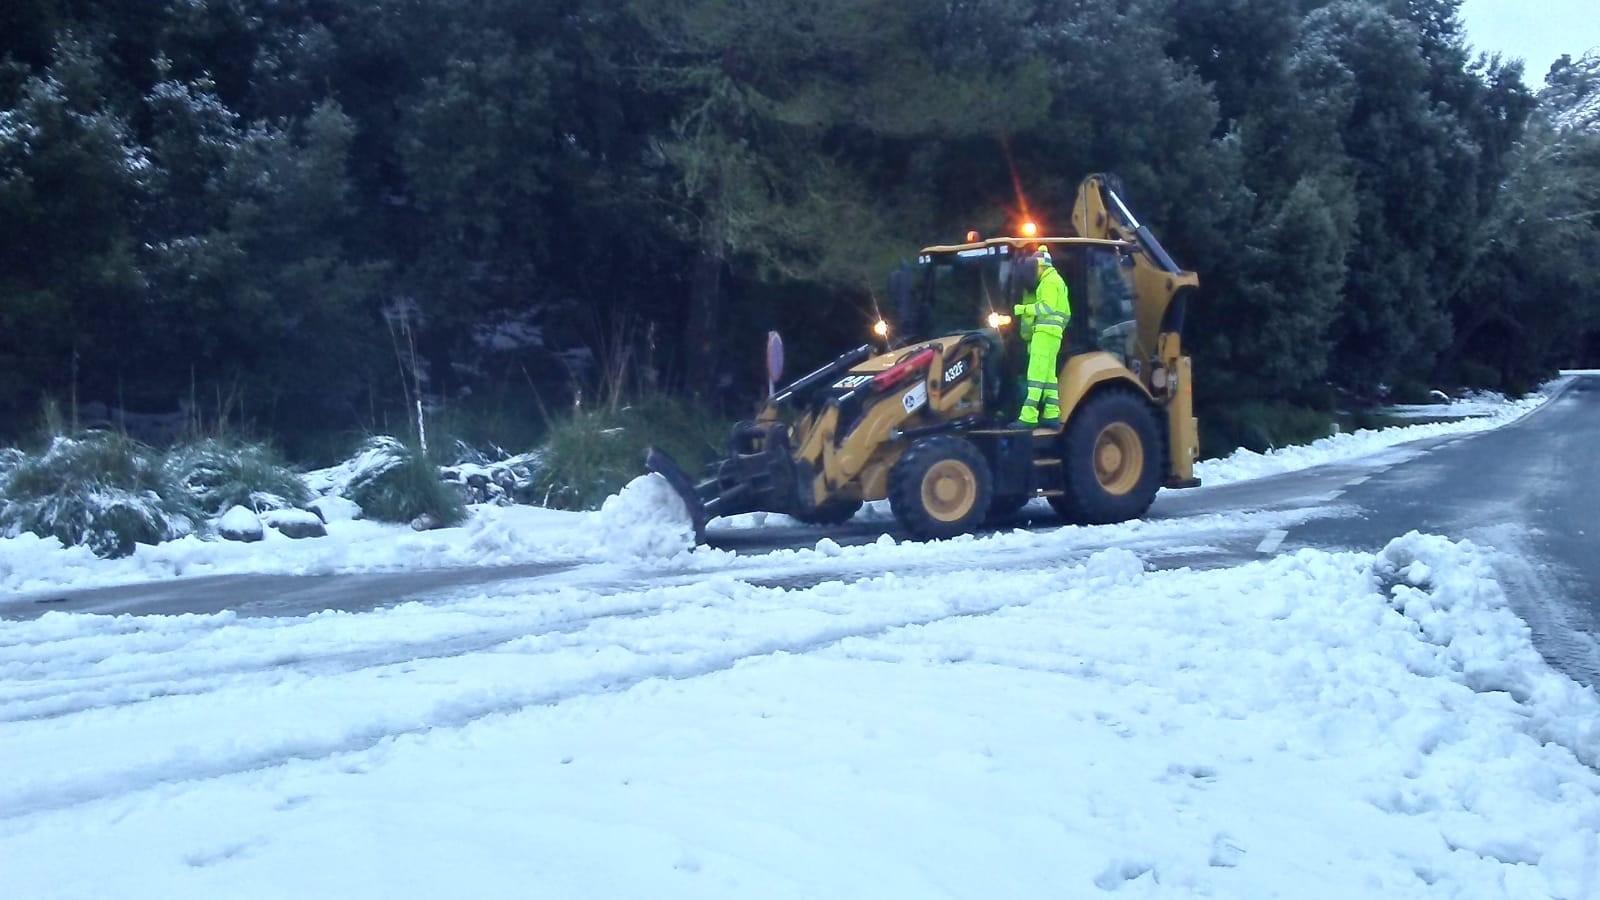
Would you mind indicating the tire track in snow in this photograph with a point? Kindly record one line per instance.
(29, 801)
(175, 681)
(48, 704)
(55, 697)
(931, 562)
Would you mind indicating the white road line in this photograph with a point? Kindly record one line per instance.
(1271, 541)
(1360, 479)
(1333, 495)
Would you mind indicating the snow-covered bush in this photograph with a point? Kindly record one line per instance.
(376, 455)
(221, 476)
(480, 479)
(10, 458)
(394, 483)
(591, 455)
(99, 490)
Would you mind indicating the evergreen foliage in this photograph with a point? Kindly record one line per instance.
(393, 482)
(306, 215)
(99, 490)
(591, 454)
(220, 475)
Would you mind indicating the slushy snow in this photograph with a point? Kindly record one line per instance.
(1317, 725)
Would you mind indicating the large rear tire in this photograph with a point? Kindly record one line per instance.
(835, 511)
(940, 487)
(1064, 508)
(1004, 507)
(1112, 457)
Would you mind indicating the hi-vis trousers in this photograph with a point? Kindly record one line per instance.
(1043, 388)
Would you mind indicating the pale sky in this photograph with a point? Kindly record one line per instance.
(1536, 31)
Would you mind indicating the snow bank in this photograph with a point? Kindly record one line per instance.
(1471, 405)
(642, 526)
(1469, 634)
(492, 536)
(1243, 465)
(1317, 725)
(646, 519)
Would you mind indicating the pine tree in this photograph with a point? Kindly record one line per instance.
(71, 177)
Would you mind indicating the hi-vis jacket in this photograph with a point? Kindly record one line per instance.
(1050, 309)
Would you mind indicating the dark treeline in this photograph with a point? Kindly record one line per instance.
(299, 214)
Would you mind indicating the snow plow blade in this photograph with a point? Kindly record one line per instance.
(664, 465)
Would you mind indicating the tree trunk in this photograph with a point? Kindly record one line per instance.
(700, 345)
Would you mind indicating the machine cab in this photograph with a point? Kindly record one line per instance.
(971, 288)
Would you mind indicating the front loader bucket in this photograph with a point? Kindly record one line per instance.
(664, 465)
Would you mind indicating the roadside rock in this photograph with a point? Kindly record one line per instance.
(240, 524)
(296, 523)
(334, 508)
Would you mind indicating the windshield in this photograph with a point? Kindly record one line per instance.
(953, 297)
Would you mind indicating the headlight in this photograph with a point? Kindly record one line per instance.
(997, 321)
(880, 328)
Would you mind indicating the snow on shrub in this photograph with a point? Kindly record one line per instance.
(221, 476)
(589, 455)
(376, 456)
(393, 483)
(10, 458)
(101, 490)
(511, 479)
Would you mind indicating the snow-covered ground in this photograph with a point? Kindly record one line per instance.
(1482, 412)
(495, 536)
(1316, 725)
(1472, 405)
(643, 524)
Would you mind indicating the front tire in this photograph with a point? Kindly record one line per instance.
(941, 487)
(1112, 456)
(832, 512)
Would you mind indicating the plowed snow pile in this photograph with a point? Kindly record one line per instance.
(645, 520)
(1317, 725)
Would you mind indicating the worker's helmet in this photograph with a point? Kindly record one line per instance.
(1044, 255)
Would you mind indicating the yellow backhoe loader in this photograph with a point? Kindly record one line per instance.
(919, 416)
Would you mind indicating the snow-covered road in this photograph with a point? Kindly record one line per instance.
(1196, 704)
(516, 540)
(1315, 725)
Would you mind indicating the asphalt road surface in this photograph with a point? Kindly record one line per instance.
(1528, 490)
